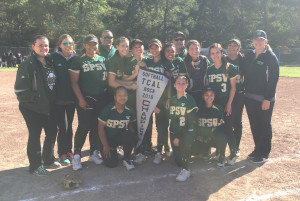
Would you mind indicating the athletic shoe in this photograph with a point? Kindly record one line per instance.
(54, 165)
(77, 162)
(64, 160)
(70, 156)
(139, 159)
(95, 158)
(221, 162)
(183, 175)
(157, 158)
(231, 160)
(252, 155)
(258, 160)
(41, 171)
(237, 153)
(120, 152)
(128, 164)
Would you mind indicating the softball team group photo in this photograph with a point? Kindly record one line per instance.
(198, 114)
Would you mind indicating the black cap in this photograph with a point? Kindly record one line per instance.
(178, 33)
(135, 41)
(206, 89)
(90, 39)
(155, 42)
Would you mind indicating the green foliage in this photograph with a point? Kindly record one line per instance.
(203, 20)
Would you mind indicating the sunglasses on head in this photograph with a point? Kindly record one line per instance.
(179, 39)
(67, 43)
(107, 37)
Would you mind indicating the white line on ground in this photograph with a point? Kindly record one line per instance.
(202, 170)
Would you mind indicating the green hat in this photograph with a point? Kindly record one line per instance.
(260, 34)
(178, 33)
(155, 42)
(237, 41)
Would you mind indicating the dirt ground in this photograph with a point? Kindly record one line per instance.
(275, 180)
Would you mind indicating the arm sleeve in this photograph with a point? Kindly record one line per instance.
(272, 76)
(26, 83)
(103, 115)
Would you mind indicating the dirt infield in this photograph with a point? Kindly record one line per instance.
(277, 179)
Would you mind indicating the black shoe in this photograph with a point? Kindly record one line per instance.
(252, 155)
(259, 160)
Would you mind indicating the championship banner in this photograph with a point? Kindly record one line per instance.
(151, 86)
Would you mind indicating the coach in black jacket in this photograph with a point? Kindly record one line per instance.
(261, 73)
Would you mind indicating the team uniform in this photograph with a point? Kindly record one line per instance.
(182, 54)
(210, 126)
(182, 125)
(93, 86)
(117, 132)
(176, 68)
(65, 105)
(219, 81)
(107, 54)
(35, 90)
(238, 101)
(261, 77)
(161, 119)
(196, 72)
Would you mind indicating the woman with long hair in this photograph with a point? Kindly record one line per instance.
(65, 98)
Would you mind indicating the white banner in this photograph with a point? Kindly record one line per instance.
(151, 86)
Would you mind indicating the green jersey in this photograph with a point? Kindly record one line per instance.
(115, 121)
(114, 67)
(209, 119)
(93, 74)
(219, 80)
(239, 79)
(176, 68)
(179, 110)
(155, 66)
(107, 54)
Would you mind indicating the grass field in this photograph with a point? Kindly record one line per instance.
(285, 71)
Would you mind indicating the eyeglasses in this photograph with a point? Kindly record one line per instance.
(179, 39)
(67, 43)
(107, 37)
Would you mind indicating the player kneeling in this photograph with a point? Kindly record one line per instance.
(210, 130)
(182, 114)
(116, 127)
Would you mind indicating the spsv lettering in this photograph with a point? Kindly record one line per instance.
(117, 123)
(217, 78)
(208, 122)
(93, 67)
(177, 110)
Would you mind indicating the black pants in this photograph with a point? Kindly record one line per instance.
(88, 122)
(197, 95)
(215, 139)
(35, 123)
(162, 125)
(65, 116)
(261, 128)
(237, 113)
(182, 153)
(228, 126)
(125, 138)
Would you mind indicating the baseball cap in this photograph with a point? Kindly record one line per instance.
(206, 89)
(237, 41)
(178, 33)
(90, 38)
(135, 41)
(155, 42)
(260, 34)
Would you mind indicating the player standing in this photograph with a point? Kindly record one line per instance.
(182, 114)
(261, 71)
(35, 90)
(179, 44)
(88, 76)
(65, 98)
(235, 57)
(221, 77)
